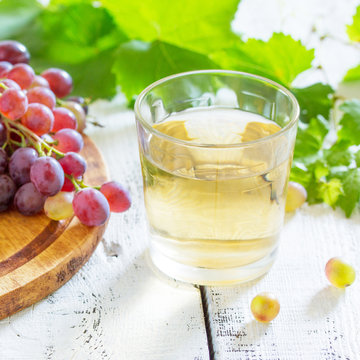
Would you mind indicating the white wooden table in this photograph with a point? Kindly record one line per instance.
(117, 307)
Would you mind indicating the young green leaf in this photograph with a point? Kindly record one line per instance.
(16, 15)
(339, 154)
(300, 174)
(314, 100)
(351, 186)
(200, 26)
(353, 30)
(357, 158)
(85, 32)
(353, 74)
(310, 137)
(330, 191)
(85, 46)
(138, 64)
(281, 58)
(350, 122)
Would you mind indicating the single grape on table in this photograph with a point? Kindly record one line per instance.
(40, 137)
(265, 307)
(339, 273)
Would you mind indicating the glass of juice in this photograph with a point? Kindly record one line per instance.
(215, 149)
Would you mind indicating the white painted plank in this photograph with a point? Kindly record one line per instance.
(115, 307)
(316, 320)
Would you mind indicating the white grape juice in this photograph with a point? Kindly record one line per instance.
(215, 203)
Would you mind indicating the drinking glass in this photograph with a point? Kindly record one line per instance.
(215, 150)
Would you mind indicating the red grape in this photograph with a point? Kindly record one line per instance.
(63, 119)
(91, 207)
(3, 160)
(13, 52)
(43, 96)
(13, 103)
(47, 175)
(5, 67)
(40, 81)
(3, 134)
(116, 195)
(23, 74)
(10, 84)
(38, 118)
(59, 80)
(28, 200)
(79, 100)
(7, 191)
(73, 164)
(68, 185)
(79, 113)
(68, 140)
(20, 163)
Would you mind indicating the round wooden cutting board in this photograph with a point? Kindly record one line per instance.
(37, 254)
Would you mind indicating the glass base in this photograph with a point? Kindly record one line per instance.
(215, 277)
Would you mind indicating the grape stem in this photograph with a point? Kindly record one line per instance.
(39, 145)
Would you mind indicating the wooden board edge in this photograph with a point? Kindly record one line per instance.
(60, 274)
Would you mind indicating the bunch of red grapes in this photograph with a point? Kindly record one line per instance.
(40, 140)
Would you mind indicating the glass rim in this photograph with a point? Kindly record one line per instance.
(294, 116)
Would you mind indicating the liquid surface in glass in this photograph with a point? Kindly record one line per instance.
(214, 207)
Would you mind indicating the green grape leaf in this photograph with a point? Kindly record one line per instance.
(330, 191)
(310, 137)
(200, 26)
(16, 15)
(138, 64)
(353, 74)
(85, 46)
(339, 154)
(314, 100)
(351, 186)
(350, 122)
(281, 58)
(353, 30)
(301, 174)
(91, 78)
(85, 32)
(357, 158)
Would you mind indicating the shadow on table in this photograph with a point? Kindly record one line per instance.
(324, 301)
